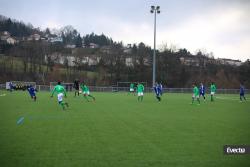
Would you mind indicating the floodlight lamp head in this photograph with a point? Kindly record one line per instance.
(158, 7)
(158, 11)
(152, 7)
(151, 11)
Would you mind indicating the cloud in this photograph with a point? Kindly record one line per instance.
(219, 31)
(223, 30)
(218, 26)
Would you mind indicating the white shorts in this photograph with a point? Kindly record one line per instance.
(131, 89)
(212, 93)
(140, 93)
(195, 96)
(86, 92)
(60, 97)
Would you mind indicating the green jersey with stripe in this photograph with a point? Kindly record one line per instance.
(58, 89)
(213, 88)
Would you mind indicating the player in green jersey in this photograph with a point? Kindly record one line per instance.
(140, 89)
(195, 94)
(85, 91)
(213, 90)
(59, 89)
(131, 88)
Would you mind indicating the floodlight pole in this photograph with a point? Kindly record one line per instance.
(154, 50)
(155, 10)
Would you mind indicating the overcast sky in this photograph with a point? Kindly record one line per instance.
(218, 26)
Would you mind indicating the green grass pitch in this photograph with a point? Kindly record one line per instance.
(119, 131)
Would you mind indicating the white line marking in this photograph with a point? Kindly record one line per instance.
(225, 98)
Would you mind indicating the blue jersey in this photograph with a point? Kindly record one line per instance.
(202, 90)
(32, 91)
(10, 85)
(242, 90)
(157, 90)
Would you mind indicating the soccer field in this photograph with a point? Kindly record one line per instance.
(119, 131)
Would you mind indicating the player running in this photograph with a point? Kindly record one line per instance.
(76, 86)
(195, 94)
(213, 90)
(157, 90)
(59, 89)
(202, 91)
(242, 92)
(85, 91)
(32, 92)
(140, 89)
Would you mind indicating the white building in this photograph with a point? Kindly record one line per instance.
(129, 61)
(34, 37)
(56, 39)
(11, 40)
(230, 62)
(5, 36)
(190, 61)
(91, 60)
(93, 45)
(70, 46)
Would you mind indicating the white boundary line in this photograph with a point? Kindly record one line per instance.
(225, 98)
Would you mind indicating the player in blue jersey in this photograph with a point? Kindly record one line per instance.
(11, 87)
(202, 91)
(242, 93)
(157, 90)
(32, 92)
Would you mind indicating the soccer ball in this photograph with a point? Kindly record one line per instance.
(80, 91)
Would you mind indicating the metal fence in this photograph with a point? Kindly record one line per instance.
(126, 89)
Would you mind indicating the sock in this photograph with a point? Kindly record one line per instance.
(138, 98)
(198, 100)
(192, 100)
(62, 104)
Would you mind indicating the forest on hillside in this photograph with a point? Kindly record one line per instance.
(108, 62)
